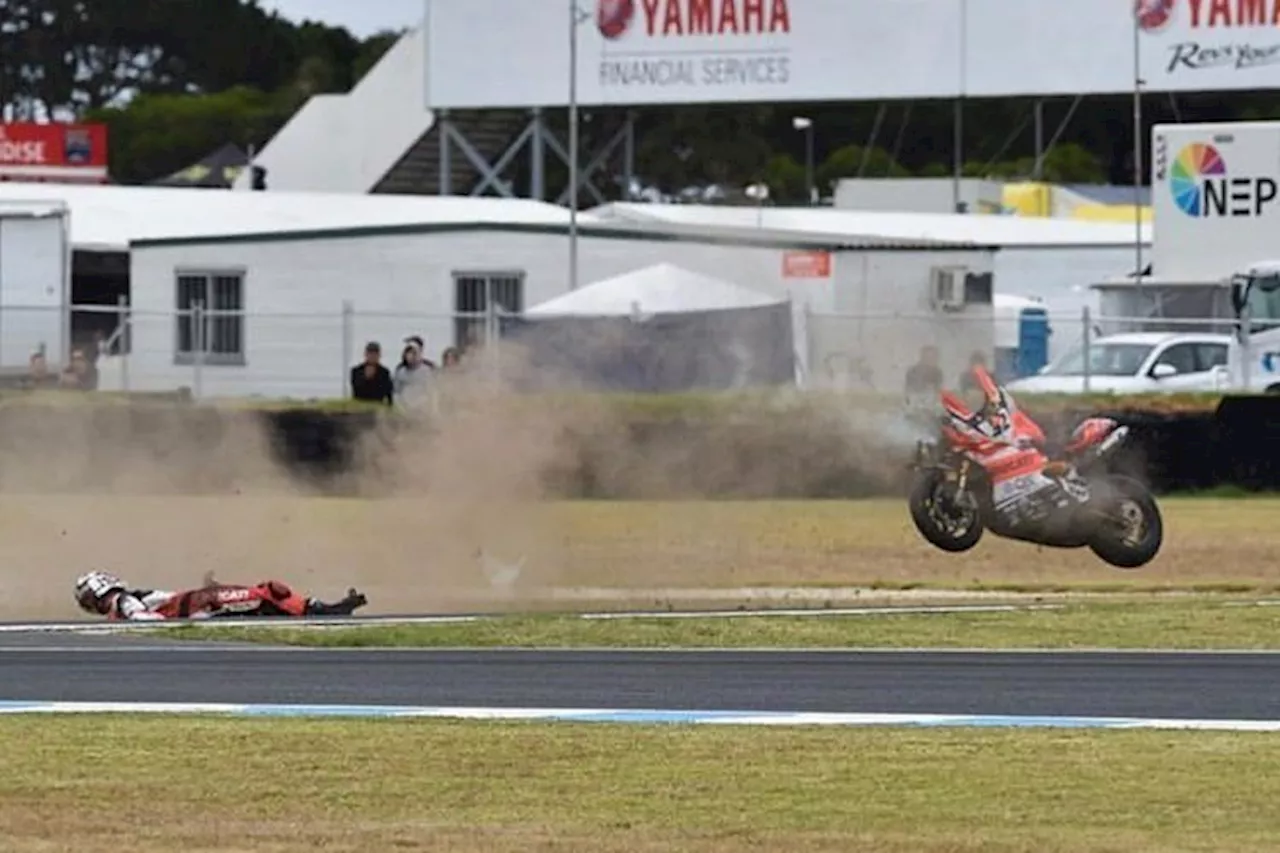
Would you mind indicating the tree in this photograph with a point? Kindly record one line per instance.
(67, 56)
(786, 180)
(371, 50)
(703, 145)
(855, 161)
(155, 135)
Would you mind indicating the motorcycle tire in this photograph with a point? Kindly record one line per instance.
(1111, 548)
(920, 502)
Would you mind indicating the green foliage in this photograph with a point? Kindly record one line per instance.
(71, 55)
(714, 144)
(158, 134)
(786, 179)
(174, 81)
(1068, 163)
(852, 161)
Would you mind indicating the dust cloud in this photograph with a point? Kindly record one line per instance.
(450, 511)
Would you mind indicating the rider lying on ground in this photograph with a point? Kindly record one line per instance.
(104, 594)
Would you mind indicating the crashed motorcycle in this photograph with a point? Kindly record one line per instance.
(965, 484)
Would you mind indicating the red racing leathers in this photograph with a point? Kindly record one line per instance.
(269, 598)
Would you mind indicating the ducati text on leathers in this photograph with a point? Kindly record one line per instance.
(989, 471)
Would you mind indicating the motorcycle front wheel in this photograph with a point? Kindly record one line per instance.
(946, 519)
(1131, 530)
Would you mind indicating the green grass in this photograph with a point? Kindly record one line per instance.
(1201, 624)
(158, 784)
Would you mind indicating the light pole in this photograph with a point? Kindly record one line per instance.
(1137, 144)
(759, 193)
(576, 17)
(806, 125)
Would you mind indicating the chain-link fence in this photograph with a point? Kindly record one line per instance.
(311, 354)
(219, 353)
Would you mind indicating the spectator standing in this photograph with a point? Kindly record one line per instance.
(417, 341)
(925, 376)
(38, 375)
(370, 380)
(451, 358)
(412, 377)
(80, 374)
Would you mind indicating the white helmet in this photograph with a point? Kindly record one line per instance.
(93, 588)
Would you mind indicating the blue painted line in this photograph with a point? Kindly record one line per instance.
(20, 707)
(636, 716)
(679, 717)
(318, 711)
(1032, 722)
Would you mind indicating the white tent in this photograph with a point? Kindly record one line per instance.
(659, 289)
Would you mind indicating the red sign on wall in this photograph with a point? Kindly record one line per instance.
(806, 264)
(53, 152)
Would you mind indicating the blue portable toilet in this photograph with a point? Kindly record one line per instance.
(1021, 336)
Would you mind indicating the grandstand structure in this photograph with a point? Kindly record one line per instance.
(476, 100)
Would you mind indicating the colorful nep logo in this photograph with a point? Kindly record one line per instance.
(1202, 188)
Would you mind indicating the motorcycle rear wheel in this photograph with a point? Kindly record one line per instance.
(941, 525)
(1134, 539)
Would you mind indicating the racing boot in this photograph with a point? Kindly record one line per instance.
(345, 607)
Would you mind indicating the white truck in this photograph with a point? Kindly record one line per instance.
(35, 283)
(1255, 353)
(1216, 207)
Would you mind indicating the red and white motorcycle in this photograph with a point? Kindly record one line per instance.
(988, 471)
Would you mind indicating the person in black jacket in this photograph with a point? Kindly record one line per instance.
(370, 380)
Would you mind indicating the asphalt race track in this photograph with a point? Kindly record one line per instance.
(1208, 686)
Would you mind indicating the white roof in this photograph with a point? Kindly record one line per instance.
(1014, 302)
(659, 289)
(974, 229)
(109, 217)
(1155, 338)
(1128, 282)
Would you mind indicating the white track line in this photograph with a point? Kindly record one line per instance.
(86, 627)
(182, 647)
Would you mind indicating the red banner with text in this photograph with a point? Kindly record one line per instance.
(31, 151)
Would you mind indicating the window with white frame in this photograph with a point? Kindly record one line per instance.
(479, 298)
(209, 317)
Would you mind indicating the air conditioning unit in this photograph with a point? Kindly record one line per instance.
(946, 288)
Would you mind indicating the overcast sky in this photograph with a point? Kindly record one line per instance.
(362, 17)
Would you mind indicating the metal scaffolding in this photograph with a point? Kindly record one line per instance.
(536, 138)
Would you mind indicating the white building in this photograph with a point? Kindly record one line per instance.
(919, 195)
(100, 223)
(312, 299)
(291, 286)
(1053, 262)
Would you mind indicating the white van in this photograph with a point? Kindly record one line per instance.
(1137, 363)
